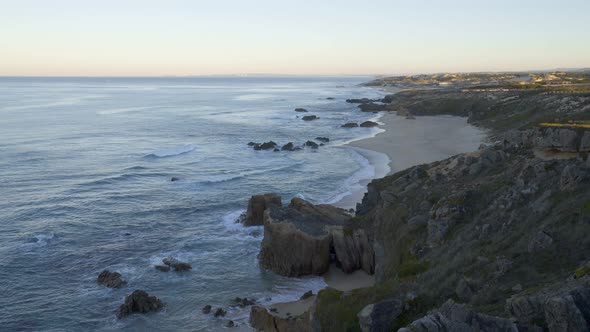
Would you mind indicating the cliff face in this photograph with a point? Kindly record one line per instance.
(494, 240)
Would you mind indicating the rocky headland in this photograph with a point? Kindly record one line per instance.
(492, 240)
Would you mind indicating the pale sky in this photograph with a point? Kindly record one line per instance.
(182, 37)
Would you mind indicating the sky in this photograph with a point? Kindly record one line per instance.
(321, 37)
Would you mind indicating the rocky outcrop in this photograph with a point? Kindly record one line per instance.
(288, 147)
(380, 316)
(298, 240)
(309, 118)
(559, 139)
(265, 146)
(111, 279)
(311, 144)
(176, 264)
(369, 124)
(322, 139)
(263, 320)
(139, 302)
(372, 107)
(353, 250)
(350, 125)
(256, 207)
(458, 317)
(301, 110)
(359, 100)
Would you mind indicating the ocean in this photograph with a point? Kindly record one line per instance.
(85, 181)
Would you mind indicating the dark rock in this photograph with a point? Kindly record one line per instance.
(230, 324)
(219, 312)
(359, 100)
(111, 279)
(139, 302)
(256, 207)
(176, 264)
(369, 124)
(309, 118)
(350, 125)
(387, 99)
(380, 316)
(371, 107)
(206, 309)
(540, 241)
(253, 144)
(163, 268)
(174, 179)
(288, 147)
(242, 302)
(330, 98)
(301, 110)
(276, 150)
(306, 295)
(265, 146)
(311, 144)
(323, 139)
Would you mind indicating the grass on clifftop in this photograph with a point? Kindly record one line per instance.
(584, 124)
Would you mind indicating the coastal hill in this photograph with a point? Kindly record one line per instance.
(492, 240)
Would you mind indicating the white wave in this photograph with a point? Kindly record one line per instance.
(255, 96)
(123, 110)
(175, 151)
(39, 240)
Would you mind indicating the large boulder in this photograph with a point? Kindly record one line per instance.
(312, 144)
(176, 264)
(350, 125)
(288, 147)
(265, 146)
(256, 207)
(301, 110)
(380, 316)
(139, 302)
(110, 279)
(296, 238)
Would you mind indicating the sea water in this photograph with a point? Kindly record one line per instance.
(85, 185)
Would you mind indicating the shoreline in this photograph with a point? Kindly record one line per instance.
(425, 139)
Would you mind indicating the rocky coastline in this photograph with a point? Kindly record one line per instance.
(491, 240)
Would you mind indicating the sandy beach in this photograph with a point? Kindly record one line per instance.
(410, 142)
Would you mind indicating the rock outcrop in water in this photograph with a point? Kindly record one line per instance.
(310, 118)
(300, 238)
(256, 207)
(350, 125)
(111, 279)
(139, 302)
(301, 110)
(369, 124)
(176, 264)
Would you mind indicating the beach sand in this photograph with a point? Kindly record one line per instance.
(425, 139)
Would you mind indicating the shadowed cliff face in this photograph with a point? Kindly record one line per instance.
(480, 237)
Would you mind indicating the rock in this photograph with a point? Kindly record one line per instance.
(388, 99)
(585, 142)
(206, 309)
(330, 98)
(539, 242)
(309, 118)
(276, 150)
(176, 264)
(369, 124)
(139, 302)
(163, 268)
(230, 324)
(111, 279)
(301, 110)
(371, 107)
(265, 146)
(559, 139)
(353, 250)
(350, 125)
(253, 143)
(311, 144)
(296, 241)
(288, 147)
(263, 320)
(256, 207)
(242, 302)
(463, 290)
(306, 295)
(380, 316)
(322, 139)
(219, 312)
(459, 318)
(571, 176)
(358, 101)
(172, 179)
